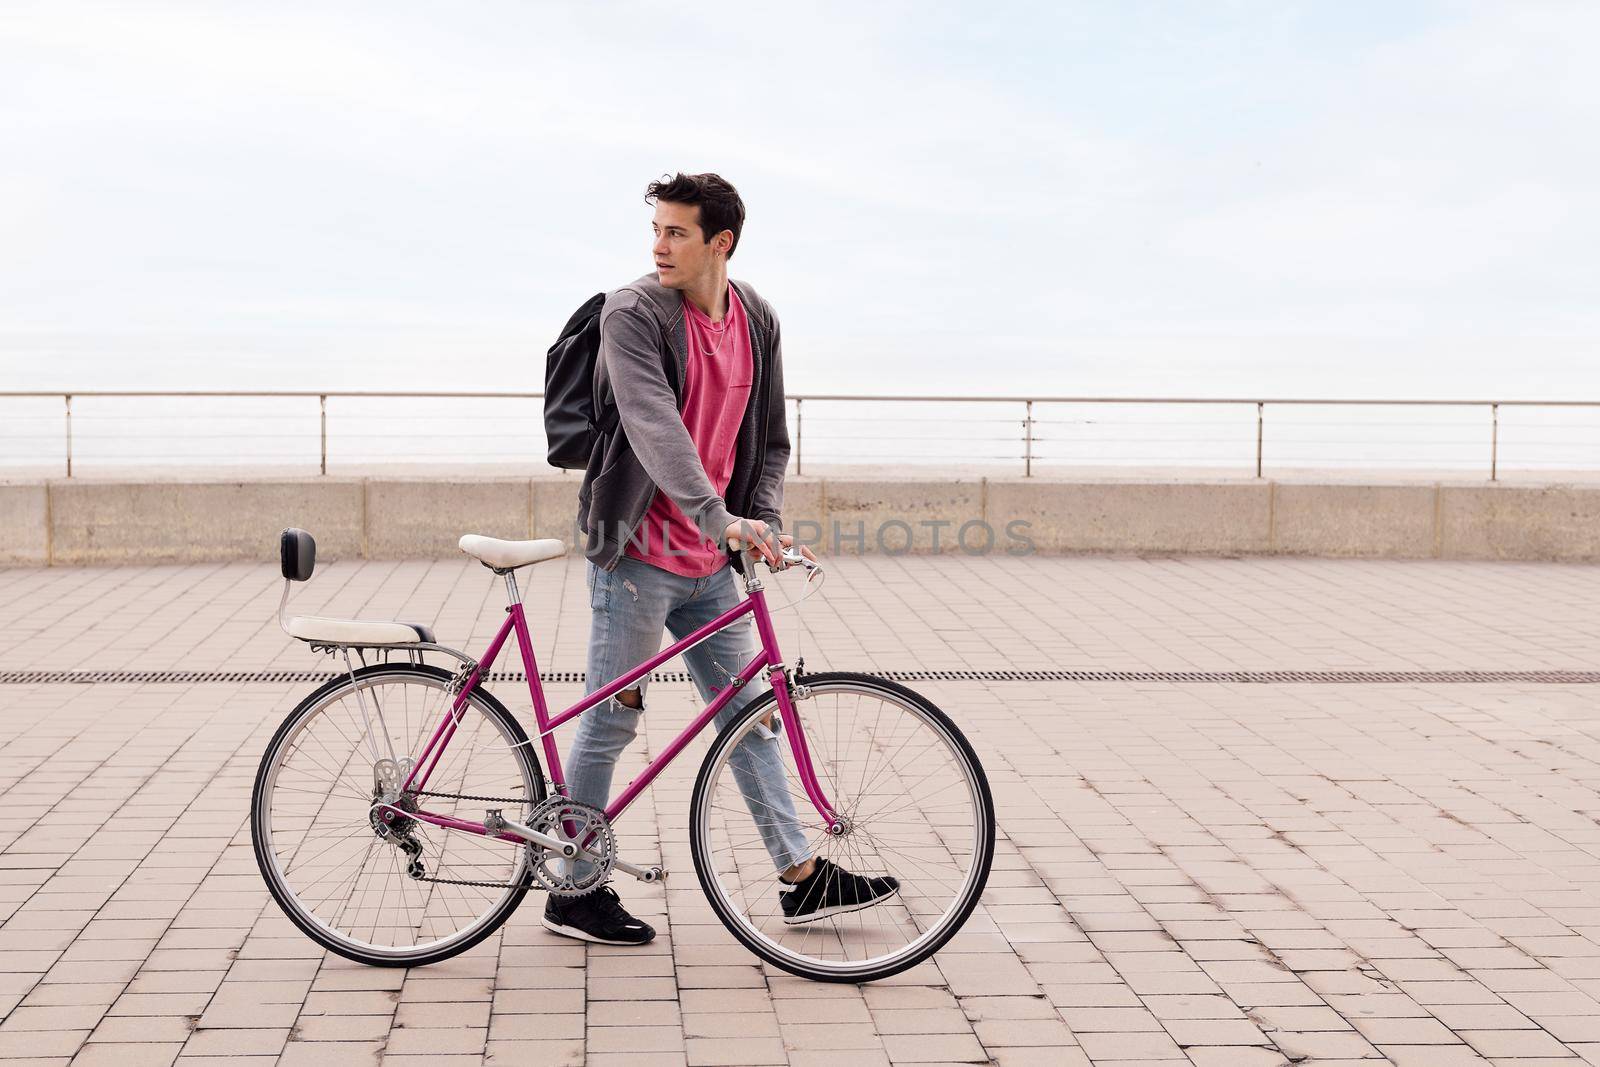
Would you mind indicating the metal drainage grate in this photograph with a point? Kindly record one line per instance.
(195, 677)
(1252, 677)
(1544, 677)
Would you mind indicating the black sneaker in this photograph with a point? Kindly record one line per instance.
(596, 916)
(832, 890)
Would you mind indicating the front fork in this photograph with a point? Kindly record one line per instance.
(783, 689)
(787, 691)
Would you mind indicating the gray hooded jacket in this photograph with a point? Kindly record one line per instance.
(644, 354)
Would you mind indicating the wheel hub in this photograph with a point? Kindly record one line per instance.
(390, 803)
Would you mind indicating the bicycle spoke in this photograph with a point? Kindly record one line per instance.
(363, 891)
(905, 790)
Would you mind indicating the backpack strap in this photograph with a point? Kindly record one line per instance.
(606, 415)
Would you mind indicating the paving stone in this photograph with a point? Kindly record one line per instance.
(1185, 871)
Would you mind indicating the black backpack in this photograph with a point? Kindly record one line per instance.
(570, 421)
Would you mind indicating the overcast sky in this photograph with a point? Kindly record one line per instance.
(1337, 198)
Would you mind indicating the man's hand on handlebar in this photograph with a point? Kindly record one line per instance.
(754, 535)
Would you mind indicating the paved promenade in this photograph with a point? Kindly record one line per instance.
(1203, 872)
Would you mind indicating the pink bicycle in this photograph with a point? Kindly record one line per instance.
(400, 813)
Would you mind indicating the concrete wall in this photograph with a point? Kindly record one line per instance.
(24, 524)
(180, 522)
(79, 521)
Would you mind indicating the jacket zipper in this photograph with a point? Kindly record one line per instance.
(766, 417)
(761, 445)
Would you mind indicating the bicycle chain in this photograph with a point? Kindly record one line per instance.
(463, 881)
(468, 796)
(467, 881)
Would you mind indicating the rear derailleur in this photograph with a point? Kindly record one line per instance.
(389, 813)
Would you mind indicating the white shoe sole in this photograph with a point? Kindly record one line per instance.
(841, 909)
(579, 935)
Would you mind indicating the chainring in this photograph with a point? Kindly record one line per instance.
(580, 823)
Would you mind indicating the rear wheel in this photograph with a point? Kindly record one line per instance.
(915, 805)
(398, 891)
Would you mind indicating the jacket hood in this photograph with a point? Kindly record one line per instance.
(667, 304)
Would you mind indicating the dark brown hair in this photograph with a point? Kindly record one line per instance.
(719, 203)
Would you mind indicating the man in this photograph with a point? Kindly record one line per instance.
(694, 367)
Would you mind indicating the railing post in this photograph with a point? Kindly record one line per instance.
(323, 401)
(69, 435)
(1494, 442)
(1261, 409)
(799, 435)
(1027, 441)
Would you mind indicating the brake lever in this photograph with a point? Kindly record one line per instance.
(792, 556)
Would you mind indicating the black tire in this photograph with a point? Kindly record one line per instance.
(487, 705)
(983, 858)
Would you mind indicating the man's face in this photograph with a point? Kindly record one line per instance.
(681, 253)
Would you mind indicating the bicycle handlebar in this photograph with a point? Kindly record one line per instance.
(790, 557)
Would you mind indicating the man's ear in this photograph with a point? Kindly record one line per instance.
(723, 246)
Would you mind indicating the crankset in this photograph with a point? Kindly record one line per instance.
(575, 824)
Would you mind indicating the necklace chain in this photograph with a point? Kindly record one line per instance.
(722, 334)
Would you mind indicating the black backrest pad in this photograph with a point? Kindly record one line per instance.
(299, 552)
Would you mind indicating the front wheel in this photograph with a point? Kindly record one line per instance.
(916, 809)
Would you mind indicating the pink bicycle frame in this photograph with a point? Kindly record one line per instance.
(516, 623)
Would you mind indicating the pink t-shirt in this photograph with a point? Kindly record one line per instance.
(716, 388)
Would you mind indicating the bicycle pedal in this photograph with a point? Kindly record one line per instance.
(644, 874)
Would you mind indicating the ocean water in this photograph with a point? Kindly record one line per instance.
(125, 436)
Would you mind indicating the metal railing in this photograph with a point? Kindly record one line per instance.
(1027, 434)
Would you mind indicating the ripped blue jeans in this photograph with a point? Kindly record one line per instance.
(630, 606)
